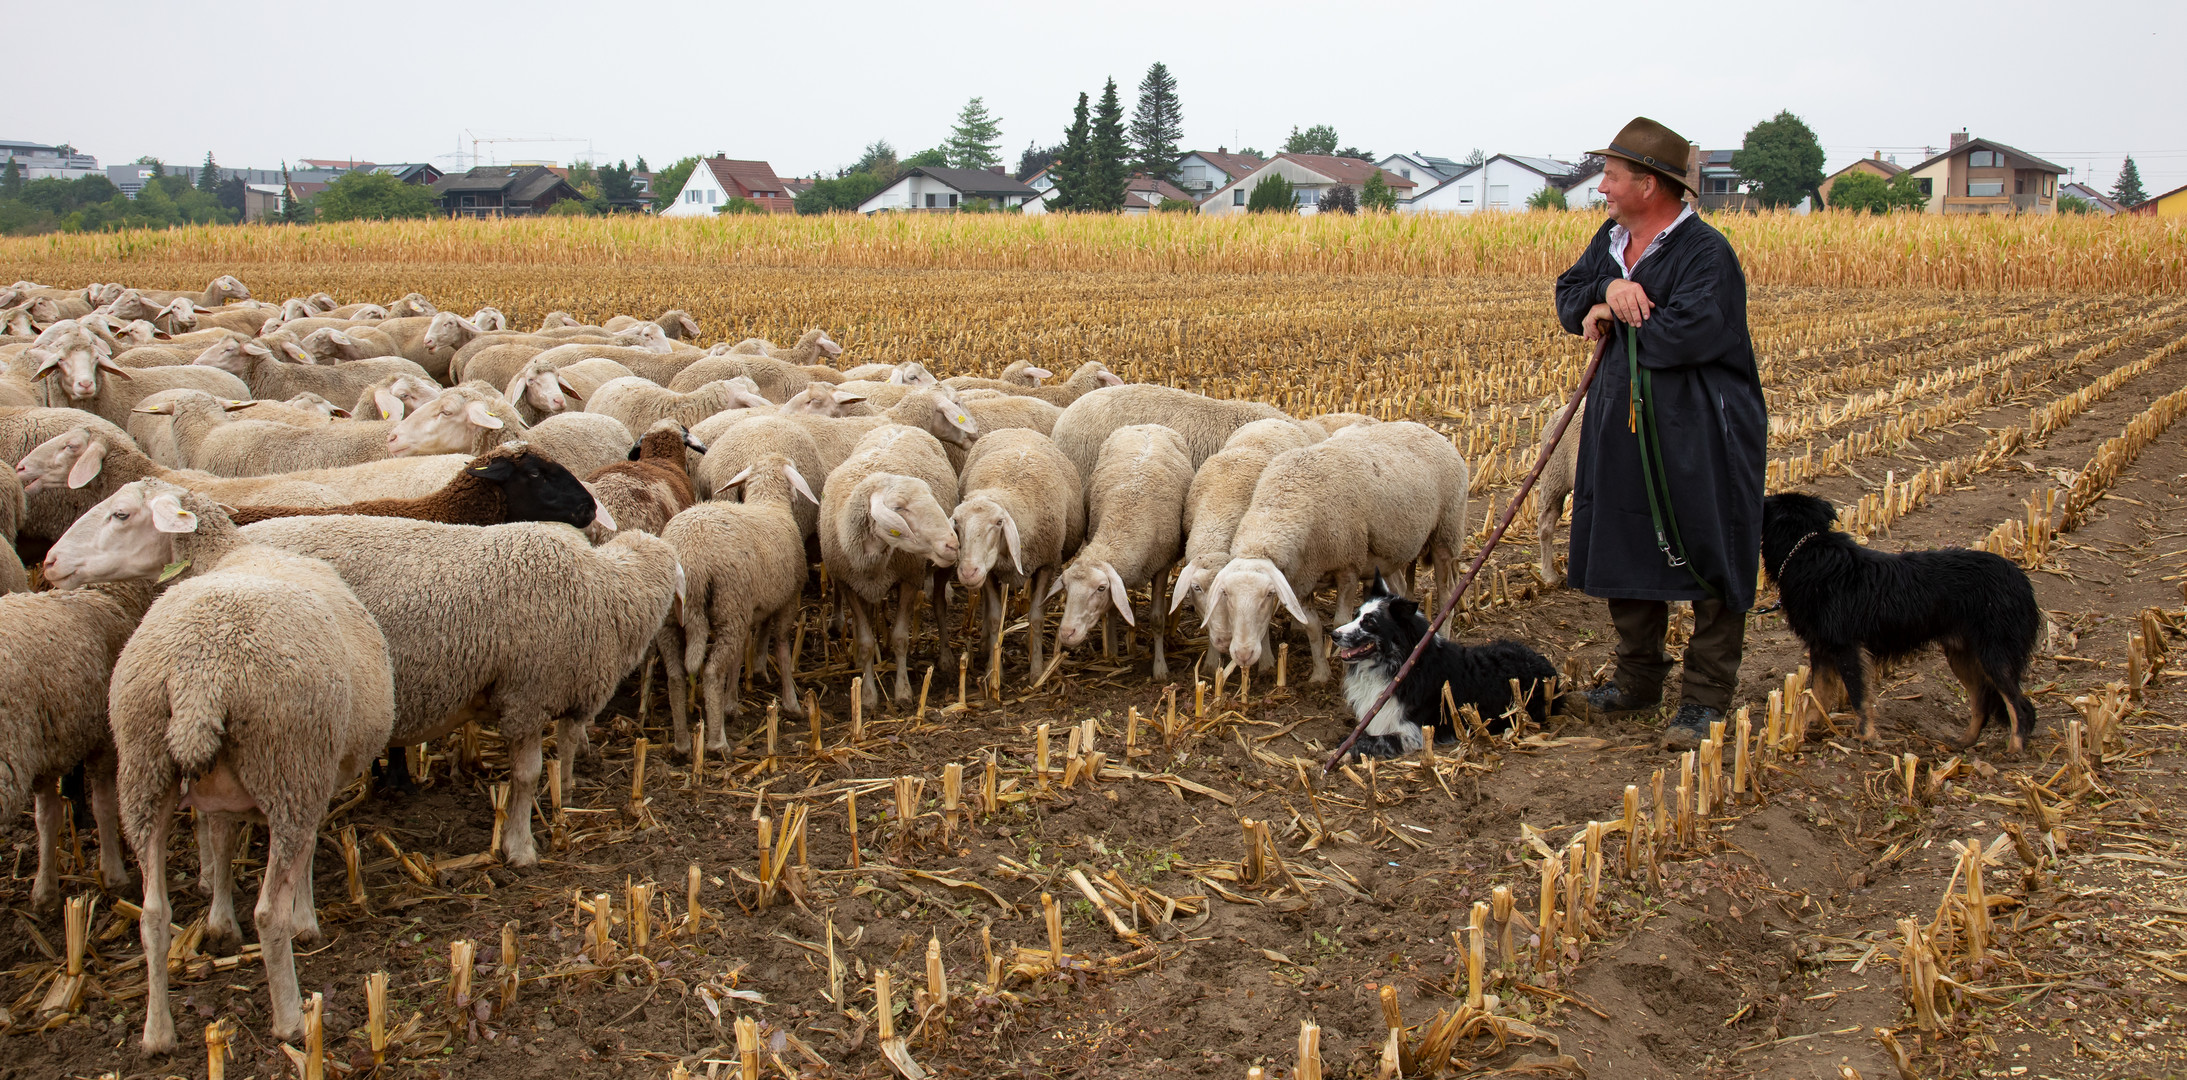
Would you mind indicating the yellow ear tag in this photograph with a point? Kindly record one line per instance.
(893, 532)
(171, 570)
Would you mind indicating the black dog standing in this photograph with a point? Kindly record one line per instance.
(1849, 604)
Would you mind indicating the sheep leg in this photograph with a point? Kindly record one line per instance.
(305, 912)
(153, 927)
(994, 609)
(669, 643)
(524, 734)
(899, 638)
(645, 691)
(724, 667)
(948, 657)
(867, 649)
(222, 834)
(781, 627)
(1036, 617)
(1108, 637)
(45, 892)
(286, 856)
(106, 809)
(1158, 624)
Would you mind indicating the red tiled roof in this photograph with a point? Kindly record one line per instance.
(1156, 190)
(1346, 170)
(745, 177)
(1233, 165)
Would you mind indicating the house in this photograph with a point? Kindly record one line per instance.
(931, 187)
(332, 165)
(718, 179)
(502, 191)
(37, 161)
(132, 178)
(2098, 202)
(1202, 172)
(1042, 180)
(1142, 195)
(1311, 176)
(795, 189)
(416, 172)
(2171, 204)
(1876, 166)
(1583, 189)
(1720, 186)
(262, 201)
(1503, 182)
(1422, 168)
(1982, 176)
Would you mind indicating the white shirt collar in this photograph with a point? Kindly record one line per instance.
(1619, 235)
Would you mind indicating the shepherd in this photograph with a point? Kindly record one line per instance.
(1667, 495)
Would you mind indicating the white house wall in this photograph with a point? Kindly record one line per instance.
(701, 196)
(1497, 185)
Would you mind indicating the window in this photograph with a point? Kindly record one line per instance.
(1308, 197)
(1237, 196)
(1195, 172)
(952, 198)
(1926, 185)
(930, 200)
(1499, 195)
(1985, 159)
(1980, 189)
(2048, 181)
(1406, 173)
(2019, 186)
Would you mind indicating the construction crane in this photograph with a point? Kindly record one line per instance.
(490, 139)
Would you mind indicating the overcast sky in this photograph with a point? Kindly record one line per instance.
(806, 85)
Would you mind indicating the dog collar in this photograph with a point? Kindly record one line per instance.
(1787, 560)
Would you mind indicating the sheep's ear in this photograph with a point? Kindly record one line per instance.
(751, 400)
(1038, 373)
(390, 405)
(482, 415)
(636, 448)
(845, 397)
(1291, 599)
(1117, 595)
(47, 361)
(113, 368)
(1010, 536)
(1184, 585)
(164, 408)
(232, 405)
(1110, 378)
(568, 391)
(168, 516)
(742, 476)
(602, 518)
(496, 471)
(1055, 585)
(797, 483)
(692, 444)
(961, 420)
(87, 466)
(828, 345)
(336, 410)
(885, 519)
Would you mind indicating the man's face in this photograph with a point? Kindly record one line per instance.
(1628, 189)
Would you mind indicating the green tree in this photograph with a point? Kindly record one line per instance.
(1356, 152)
(1376, 194)
(365, 196)
(974, 142)
(2074, 204)
(1475, 157)
(1157, 122)
(1072, 165)
(158, 168)
(1781, 159)
(880, 160)
(616, 184)
(1548, 198)
(641, 165)
(668, 183)
(208, 176)
(1906, 193)
(11, 181)
(1108, 153)
(840, 195)
(1175, 206)
(2127, 191)
(935, 158)
(1340, 199)
(1861, 190)
(1319, 139)
(585, 178)
(1273, 195)
(738, 204)
(1036, 158)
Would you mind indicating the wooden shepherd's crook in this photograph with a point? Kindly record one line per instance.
(1549, 446)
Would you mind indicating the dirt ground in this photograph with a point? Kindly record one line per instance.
(1769, 945)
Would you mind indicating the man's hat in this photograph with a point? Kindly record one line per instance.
(1655, 147)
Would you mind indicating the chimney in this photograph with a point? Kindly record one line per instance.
(997, 170)
(1879, 155)
(1222, 149)
(1959, 138)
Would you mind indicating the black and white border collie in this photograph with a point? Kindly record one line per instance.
(1375, 644)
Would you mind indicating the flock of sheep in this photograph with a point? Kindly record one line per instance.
(282, 539)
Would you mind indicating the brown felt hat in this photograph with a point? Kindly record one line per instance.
(1654, 147)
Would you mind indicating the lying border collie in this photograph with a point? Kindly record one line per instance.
(1851, 605)
(1375, 645)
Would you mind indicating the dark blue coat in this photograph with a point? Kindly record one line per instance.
(1712, 424)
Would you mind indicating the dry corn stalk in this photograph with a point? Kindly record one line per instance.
(1309, 1051)
(460, 956)
(937, 986)
(510, 979)
(1502, 908)
(375, 1016)
(217, 1035)
(1546, 956)
(1917, 963)
(315, 1038)
(748, 1047)
(353, 866)
(1476, 953)
(66, 994)
(1054, 918)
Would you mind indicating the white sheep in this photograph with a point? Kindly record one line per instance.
(258, 679)
(1204, 423)
(271, 377)
(1550, 491)
(470, 419)
(736, 448)
(76, 361)
(744, 566)
(585, 377)
(884, 518)
(1020, 511)
(209, 440)
(1221, 490)
(1368, 499)
(638, 402)
(1135, 533)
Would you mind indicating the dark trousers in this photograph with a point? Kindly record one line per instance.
(1712, 653)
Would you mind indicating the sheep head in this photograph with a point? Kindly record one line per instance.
(129, 536)
(449, 331)
(411, 305)
(399, 395)
(1193, 581)
(535, 487)
(645, 335)
(758, 479)
(555, 320)
(71, 459)
(74, 357)
(1024, 373)
(461, 420)
(902, 513)
(1248, 592)
(320, 303)
(820, 338)
(227, 287)
(985, 534)
(234, 356)
(1090, 587)
(100, 294)
(327, 345)
(310, 402)
(912, 373)
(939, 414)
(679, 324)
(820, 400)
(539, 386)
(489, 318)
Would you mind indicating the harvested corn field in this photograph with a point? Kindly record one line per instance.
(1110, 875)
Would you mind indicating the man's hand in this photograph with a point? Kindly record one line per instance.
(1591, 326)
(1629, 302)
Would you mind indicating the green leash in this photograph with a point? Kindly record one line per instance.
(1652, 473)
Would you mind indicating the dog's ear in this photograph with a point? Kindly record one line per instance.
(1381, 588)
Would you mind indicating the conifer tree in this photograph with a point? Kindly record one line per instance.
(1108, 152)
(1156, 124)
(2128, 192)
(1072, 165)
(975, 139)
(208, 176)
